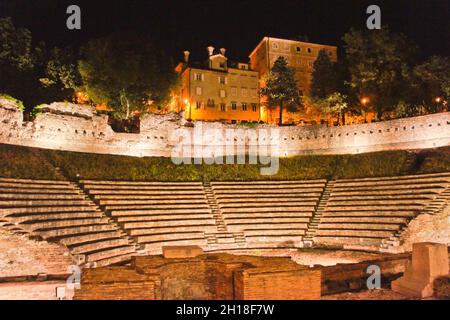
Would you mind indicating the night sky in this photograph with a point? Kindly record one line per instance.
(235, 25)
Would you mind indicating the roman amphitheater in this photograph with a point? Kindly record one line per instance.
(79, 219)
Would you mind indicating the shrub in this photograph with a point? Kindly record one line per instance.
(16, 101)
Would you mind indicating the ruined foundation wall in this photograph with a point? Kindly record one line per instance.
(84, 131)
(304, 284)
(21, 257)
(428, 228)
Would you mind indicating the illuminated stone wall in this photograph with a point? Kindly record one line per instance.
(56, 128)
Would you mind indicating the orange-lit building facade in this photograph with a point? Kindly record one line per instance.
(300, 56)
(219, 90)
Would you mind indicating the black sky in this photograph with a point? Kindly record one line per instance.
(237, 25)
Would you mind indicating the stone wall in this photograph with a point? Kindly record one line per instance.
(22, 258)
(115, 283)
(210, 276)
(278, 284)
(428, 228)
(84, 131)
(36, 290)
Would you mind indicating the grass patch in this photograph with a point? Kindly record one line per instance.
(22, 162)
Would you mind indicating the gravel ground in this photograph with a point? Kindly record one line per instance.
(380, 294)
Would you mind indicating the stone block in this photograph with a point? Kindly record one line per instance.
(179, 252)
(429, 261)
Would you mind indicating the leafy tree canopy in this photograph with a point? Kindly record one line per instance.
(61, 70)
(125, 71)
(378, 61)
(31, 72)
(431, 80)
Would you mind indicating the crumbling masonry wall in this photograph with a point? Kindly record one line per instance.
(64, 126)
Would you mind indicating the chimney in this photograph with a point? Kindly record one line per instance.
(210, 50)
(186, 56)
(222, 51)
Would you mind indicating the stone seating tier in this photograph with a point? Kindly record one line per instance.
(258, 214)
(59, 211)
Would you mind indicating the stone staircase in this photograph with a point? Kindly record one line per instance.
(129, 246)
(137, 248)
(222, 237)
(394, 243)
(439, 203)
(314, 223)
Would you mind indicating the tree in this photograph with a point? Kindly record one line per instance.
(281, 87)
(378, 61)
(61, 73)
(324, 76)
(431, 80)
(16, 61)
(334, 104)
(29, 73)
(125, 71)
(404, 109)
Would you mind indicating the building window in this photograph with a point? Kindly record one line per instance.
(298, 49)
(198, 91)
(222, 80)
(198, 105)
(222, 93)
(234, 91)
(275, 45)
(211, 103)
(310, 64)
(254, 92)
(243, 67)
(244, 106)
(233, 106)
(222, 107)
(254, 107)
(309, 50)
(199, 77)
(244, 92)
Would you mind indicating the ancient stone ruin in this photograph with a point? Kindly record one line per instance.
(213, 276)
(71, 127)
(429, 261)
